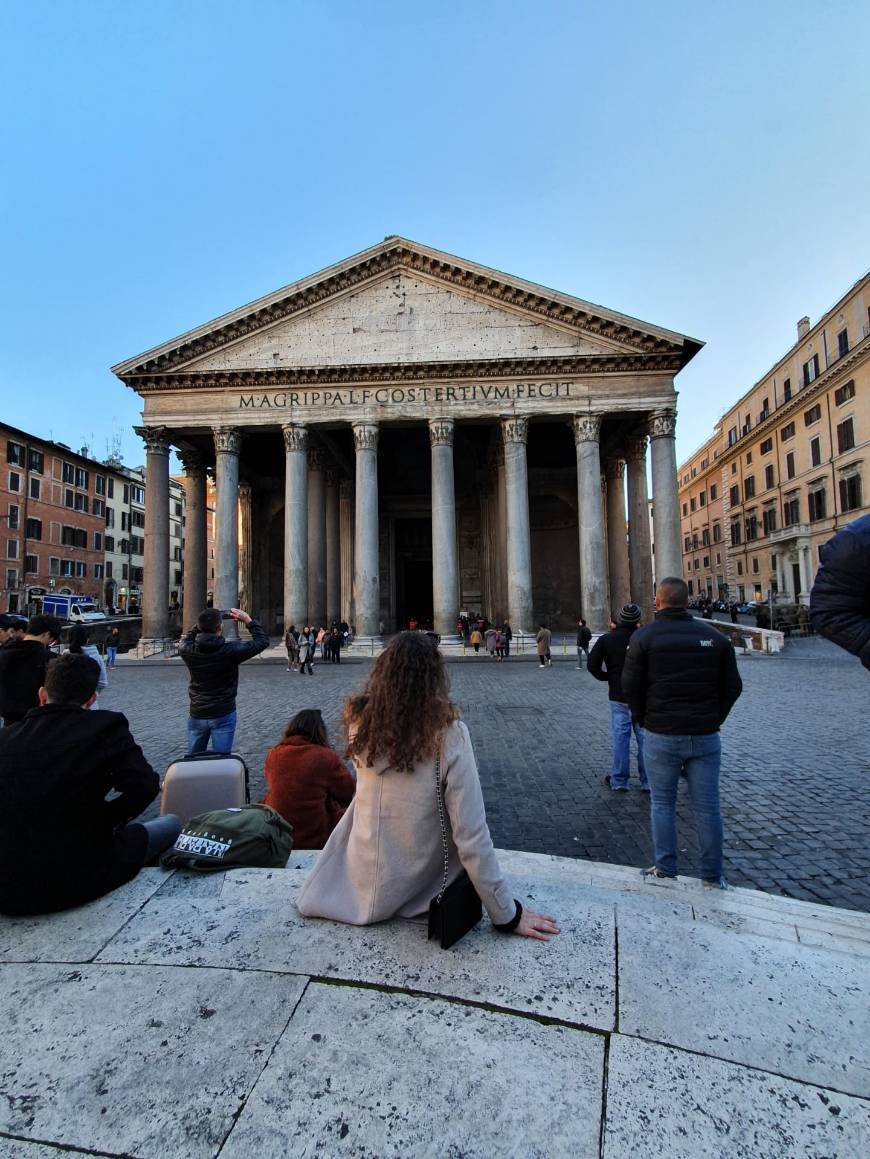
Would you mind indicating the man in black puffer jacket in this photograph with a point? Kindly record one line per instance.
(681, 681)
(840, 599)
(213, 663)
(606, 661)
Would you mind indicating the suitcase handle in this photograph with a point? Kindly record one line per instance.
(209, 756)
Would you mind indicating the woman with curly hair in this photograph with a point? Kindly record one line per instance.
(385, 859)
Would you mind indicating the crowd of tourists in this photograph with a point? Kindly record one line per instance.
(74, 781)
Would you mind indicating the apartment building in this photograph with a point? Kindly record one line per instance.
(52, 520)
(788, 464)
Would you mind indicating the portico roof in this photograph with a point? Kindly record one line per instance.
(589, 331)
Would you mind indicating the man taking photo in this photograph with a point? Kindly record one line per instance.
(213, 663)
(681, 680)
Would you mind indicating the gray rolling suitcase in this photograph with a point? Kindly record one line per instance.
(201, 782)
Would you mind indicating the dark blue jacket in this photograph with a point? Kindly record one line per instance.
(213, 663)
(840, 599)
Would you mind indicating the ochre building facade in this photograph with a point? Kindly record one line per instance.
(410, 435)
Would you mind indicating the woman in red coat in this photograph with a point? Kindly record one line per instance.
(306, 780)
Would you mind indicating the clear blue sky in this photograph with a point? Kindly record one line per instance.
(702, 166)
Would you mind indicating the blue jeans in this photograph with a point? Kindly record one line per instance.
(699, 757)
(621, 728)
(221, 729)
(112, 653)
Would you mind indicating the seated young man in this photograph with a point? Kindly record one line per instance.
(61, 842)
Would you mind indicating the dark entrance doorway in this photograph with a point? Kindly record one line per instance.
(413, 547)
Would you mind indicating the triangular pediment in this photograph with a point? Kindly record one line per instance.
(400, 303)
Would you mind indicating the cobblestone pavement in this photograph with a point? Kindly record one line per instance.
(795, 777)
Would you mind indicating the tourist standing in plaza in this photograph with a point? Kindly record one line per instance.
(22, 667)
(606, 661)
(476, 639)
(78, 645)
(307, 781)
(681, 680)
(113, 643)
(291, 643)
(542, 646)
(584, 637)
(385, 858)
(213, 663)
(840, 599)
(61, 842)
(307, 645)
(507, 636)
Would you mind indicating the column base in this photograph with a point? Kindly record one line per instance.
(366, 645)
(150, 646)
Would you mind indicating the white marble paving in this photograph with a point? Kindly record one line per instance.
(365, 1073)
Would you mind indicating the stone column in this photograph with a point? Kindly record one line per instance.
(366, 572)
(445, 576)
(519, 545)
(333, 550)
(806, 575)
(246, 553)
(666, 504)
(194, 594)
(155, 585)
(345, 519)
(227, 442)
(639, 549)
(295, 525)
(593, 553)
(316, 537)
(500, 534)
(617, 545)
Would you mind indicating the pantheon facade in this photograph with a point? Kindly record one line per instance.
(407, 434)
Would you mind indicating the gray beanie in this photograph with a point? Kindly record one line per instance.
(629, 614)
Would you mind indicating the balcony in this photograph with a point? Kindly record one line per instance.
(786, 534)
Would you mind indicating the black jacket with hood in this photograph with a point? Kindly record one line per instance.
(213, 663)
(22, 674)
(607, 659)
(840, 599)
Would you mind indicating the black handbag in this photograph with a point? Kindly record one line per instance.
(457, 908)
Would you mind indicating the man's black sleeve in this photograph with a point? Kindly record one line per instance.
(730, 683)
(187, 643)
(131, 775)
(596, 660)
(634, 678)
(840, 599)
(244, 649)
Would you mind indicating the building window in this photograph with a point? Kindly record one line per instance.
(748, 458)
(35, 488)
(110, 488)
(110, 543)
(755, 565)
(176, 554)
(749, 487)
(33, 529)
(734, 495)
(787, 432)
(14, 481)
(718, 561)
(844, 393)
(812, 415)
(98, 571)
(98, 541)
(705, 537)
(842, 343)
(53, 565)
(687, 543)
(751, 528)
(125, 571)
(811, 369)
(769, 480)
(178, 578)
(694, 472)
(36, 461)
(81, 478)
(67, 473)
(692, 503)
(696, 565)
(11, 578)
(717, 533)
(786, 390)
(31, 565)
(12, 549)
(732, 436)
(69, 498)
(138, 495)
(768, 520)
(15, 453)
(789, 465)
(695, 540)
(850, 493)
(99, 507)
(177, 510)
(13, 516)
(137, 518)
(815, 451)
(137, 575)
(109, 570)
(685, 509)
(81, 502)
(767, 446)
(791, 511)
(126, 497)
(99, 484)
(124, 520)
(735, 533)
(110, 517)
(702, 499)
(706, 561)
(816, 505)
(137, 545)
(740, 567)
(845, 435)
(714, 491)
(81, 569)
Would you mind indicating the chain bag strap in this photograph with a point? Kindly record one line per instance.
(456, 908)
(439, 794)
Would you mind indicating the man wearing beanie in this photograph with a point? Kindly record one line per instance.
(606, 661)
(681, 681)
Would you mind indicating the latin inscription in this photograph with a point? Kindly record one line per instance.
(386, 395)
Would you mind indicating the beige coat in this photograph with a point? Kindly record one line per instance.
(385, 859)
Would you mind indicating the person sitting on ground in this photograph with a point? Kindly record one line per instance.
(306, 780)
(62, 843)
(78, 645)
(840, 599)
(385, 857)
(22, 667)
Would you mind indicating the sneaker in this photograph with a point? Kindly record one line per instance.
(654, 876)
(720, 884)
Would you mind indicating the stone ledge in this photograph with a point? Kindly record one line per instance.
(191, 1015)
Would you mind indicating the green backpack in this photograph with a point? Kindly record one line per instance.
(253, 836)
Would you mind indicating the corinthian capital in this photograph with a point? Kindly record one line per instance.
(228, 440)
(365, 436)
(635, 448)
(515, 429)
(191, 460)
(662, 424)
(295, 437)
(614, 468)
(587, 428)
(441, 432)
(156, 439)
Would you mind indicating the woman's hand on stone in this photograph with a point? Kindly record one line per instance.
(538, 926)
